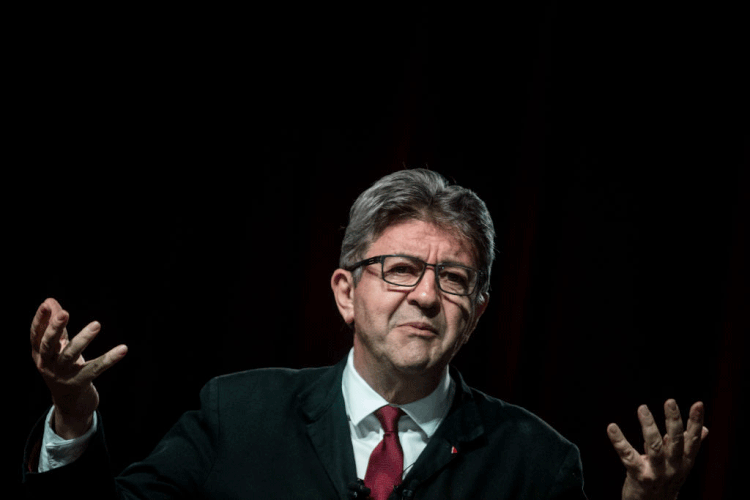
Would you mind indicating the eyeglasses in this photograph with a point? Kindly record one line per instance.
(403, 270)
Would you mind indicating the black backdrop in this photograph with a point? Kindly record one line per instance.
(185, 177)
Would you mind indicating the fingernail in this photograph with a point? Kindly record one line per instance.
(672, 405)
(95, 326)
(644, 411)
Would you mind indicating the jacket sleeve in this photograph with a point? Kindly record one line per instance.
(89, 477)
(176, 468)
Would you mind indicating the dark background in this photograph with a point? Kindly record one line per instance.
(185, 177)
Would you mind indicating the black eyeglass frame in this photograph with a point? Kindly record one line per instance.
(436, 267)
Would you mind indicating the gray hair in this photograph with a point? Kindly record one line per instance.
(419, 194)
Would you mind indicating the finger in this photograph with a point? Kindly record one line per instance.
(49, 348)
(653, 441)
(41, 320)
(39, 325)
(674, 446)
(75, 347)
(97, 366)
(695, 432)
(628, 455)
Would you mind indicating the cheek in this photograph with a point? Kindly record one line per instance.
(460, 322)
(458, 314)
(373, 311)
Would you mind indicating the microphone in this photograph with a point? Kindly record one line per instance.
(357, 489)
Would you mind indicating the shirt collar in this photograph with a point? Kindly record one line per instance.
(361, 400)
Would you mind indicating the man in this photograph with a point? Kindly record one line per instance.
(390, 420)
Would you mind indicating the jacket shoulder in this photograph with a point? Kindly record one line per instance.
(278, 388)
(271, 375)
(512, 420)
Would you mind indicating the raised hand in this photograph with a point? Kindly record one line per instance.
(67, 374)
(659, 473)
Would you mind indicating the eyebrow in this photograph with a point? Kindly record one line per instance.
(446, 262)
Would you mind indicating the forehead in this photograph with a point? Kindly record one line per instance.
(424, 240)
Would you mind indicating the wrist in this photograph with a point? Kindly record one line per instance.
(71, 426)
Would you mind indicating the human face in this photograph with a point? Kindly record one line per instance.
(412, 330)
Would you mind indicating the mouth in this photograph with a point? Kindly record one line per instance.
(421, 328)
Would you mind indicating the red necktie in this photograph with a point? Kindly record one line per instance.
(387, 459)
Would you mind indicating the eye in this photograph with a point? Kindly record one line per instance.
(403, 268)
(454, 277)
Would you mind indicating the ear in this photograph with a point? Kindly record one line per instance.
(480, 307)
(342, 284)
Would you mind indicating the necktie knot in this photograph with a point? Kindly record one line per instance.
(388, 416)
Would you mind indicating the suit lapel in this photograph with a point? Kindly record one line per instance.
(328, 429)
(462, 426)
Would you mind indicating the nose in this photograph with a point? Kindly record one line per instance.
(425, 293)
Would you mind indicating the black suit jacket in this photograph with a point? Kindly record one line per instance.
(281, 433)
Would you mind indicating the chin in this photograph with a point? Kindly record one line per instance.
(413, 368)
(413, 363)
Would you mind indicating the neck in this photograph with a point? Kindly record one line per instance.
(396, 386)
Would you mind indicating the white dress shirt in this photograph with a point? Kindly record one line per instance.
(56, 451)
(415, 429)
